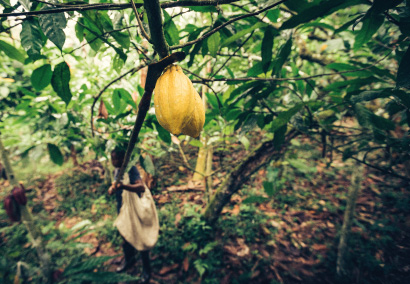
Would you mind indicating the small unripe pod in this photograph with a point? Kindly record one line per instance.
(12, 209)
(19, 194)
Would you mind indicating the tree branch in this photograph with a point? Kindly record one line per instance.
(137, 15)
(156, 30)
(113, 6)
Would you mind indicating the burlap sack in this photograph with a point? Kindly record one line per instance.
(138, 220)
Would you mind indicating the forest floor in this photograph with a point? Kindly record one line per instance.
(287, 236)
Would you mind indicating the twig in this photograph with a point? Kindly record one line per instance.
(229, 58)
(206, 35)
(97, 97)
(137, 15)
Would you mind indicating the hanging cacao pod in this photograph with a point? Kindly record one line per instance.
(195, 126)
(174, 99)
(12, 209)
(19, 194)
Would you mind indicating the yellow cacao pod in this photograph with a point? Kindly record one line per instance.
(174, 99)
(194, 127)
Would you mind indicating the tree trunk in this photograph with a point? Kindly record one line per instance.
(348, 219)
(261, 156)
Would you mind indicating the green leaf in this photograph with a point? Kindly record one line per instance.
(60, 82)
(242, 33)
(245, 141)
(302, 166)
(31, 37)
(255, 199)
(371, 23)
(11, 51)
(370, 95)
(346, 67)
(213, 44)
(116, 101)
(171, 30)
(284, 117)
(282, 57)
(269, 189)
(147, 164)
(41, 77)
(266, 49)
(55, 154)
(403, 74)
(319, 9)
(163, 134)
(196, 143)
(52, 26)
(279, 136)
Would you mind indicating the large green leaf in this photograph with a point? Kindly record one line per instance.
(55, 154)
(171, 30)
(41, 77)
(282, 57)
(213, 44)
(371, 23)
(11, 51)
(319, 9)
(60, 82)
(266, 48)
(31, 37)
(284, 117)
(403, 74)
(52, 26)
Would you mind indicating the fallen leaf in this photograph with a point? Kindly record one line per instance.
(185, 264)
(319, 247)
(168, 269)
(236, 210)
(177, 219)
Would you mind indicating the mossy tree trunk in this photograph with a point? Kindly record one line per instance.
(354, 190)
(261, 156)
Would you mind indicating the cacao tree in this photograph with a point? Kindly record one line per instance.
(287, 68)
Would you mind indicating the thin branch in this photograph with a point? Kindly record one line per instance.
(114, 6)
(229, 58)
(97, 97)
(9, 28)
(137, 15)
(206, 35)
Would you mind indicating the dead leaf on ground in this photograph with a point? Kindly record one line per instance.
(185, 264)
(168, 269)
(177, 219)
